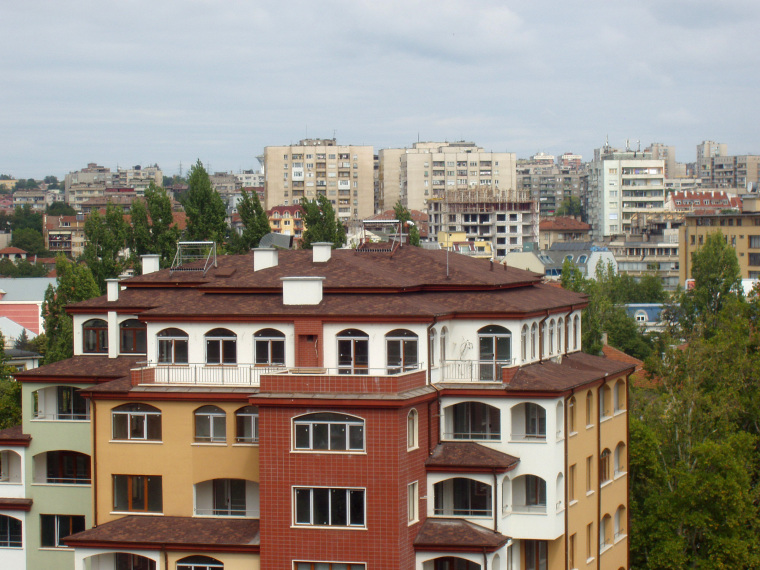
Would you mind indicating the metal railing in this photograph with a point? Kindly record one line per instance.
(473, 435)
(56, 416)
(534, 509)
(473, 370)
(452, 512)
(68, 480)
(247, 513)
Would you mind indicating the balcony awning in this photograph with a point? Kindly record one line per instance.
(470, 457)
(457, 535)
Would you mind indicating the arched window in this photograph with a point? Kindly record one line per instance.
(495, 351)
(221, 347)
(172, 346)
(133, 337)
(62, 467)
(560, 329)
(605, 532)
(353, 352)
(444, 335)
(210, 425)
(199, 563)
(576, 331)
(605, 468)
(139, 422)
(401, 351)
(412, 429)
(605, 401)
(431, 345)
(462, 497)
(560, 419)
(571, 405)
(533, 340)
(10, 466)
(619, 395)
(269, 347)
(524, 342)
(551, 337)
(247, 425)
(95, 333)
(620, 522)
(560, 492)
(10, 532)
(529, 494)
(528, 421)
(473, 421)
(620, 459)
(328, 431)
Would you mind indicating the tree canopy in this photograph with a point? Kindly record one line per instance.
(570, 207)
(153, 229)
(60, 209)
(255, 224)
(405, 217)
(321, 223)
(105, 243)
(205, 209)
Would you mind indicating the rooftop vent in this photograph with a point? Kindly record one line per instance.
(264, 258)
(322, 251)
(302, 290)
(112, 289)
(151, 263)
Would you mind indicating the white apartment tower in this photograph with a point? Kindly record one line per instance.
(428, 170)
(313, 167)
(622, 183)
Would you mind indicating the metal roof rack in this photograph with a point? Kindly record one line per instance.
(191, 252)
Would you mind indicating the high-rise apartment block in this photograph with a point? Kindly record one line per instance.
(415, 176)
(741, 172)
(622, 183)
(710, 149)
(551, 185)
(314, 167)
(387, 407)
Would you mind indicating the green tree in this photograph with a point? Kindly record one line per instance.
(321, 223)
(255, 223)
(206, 212)
(74, 283)
(570, 207)
(52, 182)
(153, 229)
(29, 240)
(29, 184)
(10, 392)
(60, 209)
(405, 217)
(24, 217)
(105, 240)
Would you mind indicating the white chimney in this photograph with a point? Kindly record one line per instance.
(264, 258)
(112, 289)
(302, 290)
(150, 263)
(322, 251)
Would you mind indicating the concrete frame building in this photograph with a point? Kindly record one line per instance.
(740, 172)
(313, 167)
(425, 172)
(622, 183)
(385, 407)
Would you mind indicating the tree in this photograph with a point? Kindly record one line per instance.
(52, 182)
(153, 229)
(74, 283)
(255, 223)
(60, 209)
(570, 207)
(206, 212)
(321, 223)
(405, 217)
(29, 240)
(105, 241)
(10, 392)
(24, 217)
(29, 184)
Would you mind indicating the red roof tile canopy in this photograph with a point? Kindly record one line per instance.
(172, 533)
(563, 223)
(457, 535)
(82, 369)
(14, 436)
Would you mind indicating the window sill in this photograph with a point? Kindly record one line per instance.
(18, 548)
(605, 483)
(140, 441)
(589, 426)
(604, 549)
(137, 513)
(573, 502)
(620, 474)
(605, 418)
(50, 421)
(572, 433)
(620, 412)
(327, 527)
(589, 560)
(11, 483)
(83, 485)
(329, 451)
(246, 444)
(589, 493)
(619, 538)
(209, 444)
(56, 548)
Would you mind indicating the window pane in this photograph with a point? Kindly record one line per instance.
(361, 352)
(503, 348)
(180, 351)
(220, 428)
(278, 352)
(120, 426)
(344, 353)
(230, 352)
(137, 426)
(202, 427)
(338, 507)
(321, 500)
(303, 506)
(154, 426)
(262, 352)
(394, 353)
(338, 437)
(213, 355)
(319, 436)
(138, 493)
(356, 437)
(410, 354)
(165, 351)
(486, 348)
(302, 436)
(237, 497)
(120, 493)
(142, 338)
(155, 494)
(357, 507)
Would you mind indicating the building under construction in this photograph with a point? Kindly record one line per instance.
(506, 218)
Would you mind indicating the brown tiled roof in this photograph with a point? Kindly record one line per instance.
(14, 436)
(469, 455)
(563, 223)
(445, 534)
(11, 249)
(575, 370)
(82, 369)
(156, 531)
(16, 504)
(619, 356)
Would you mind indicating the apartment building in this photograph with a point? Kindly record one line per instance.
(287, 220)
(507, 219)
(37, 200)
(426, 171)
(710, 149)
(622, 183)
(313, 167)
(562, 229)
(384, 407)
(667, 153)
(741, 229)
(551, 185)
(138, 178)
(741, 172)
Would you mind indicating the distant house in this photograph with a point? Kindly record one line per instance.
(647, 315)
(21, 300)
(12, 331)
(584, 255)
(15, 254)
(561, 229)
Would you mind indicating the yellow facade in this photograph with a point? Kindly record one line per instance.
(178, 459)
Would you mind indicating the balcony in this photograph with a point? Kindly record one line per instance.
(471, 370)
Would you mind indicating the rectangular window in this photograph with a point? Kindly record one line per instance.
(571, 484)
(571, 552)
(329, 432)
(54, 528)
(589, 541)
(137, 493)
(535, 555)
(754, 259)
(412, 499)
(589, 473)
(329, 507)
(329, 566)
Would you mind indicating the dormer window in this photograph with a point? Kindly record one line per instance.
(95, 333)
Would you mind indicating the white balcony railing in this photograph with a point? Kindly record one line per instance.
(472, 370)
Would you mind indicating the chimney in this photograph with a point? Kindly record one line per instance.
(150, 263)
(112, 289)
(264, 258)
(302, 290)
(322, 251)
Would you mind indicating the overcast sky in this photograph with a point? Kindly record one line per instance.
(170, 81)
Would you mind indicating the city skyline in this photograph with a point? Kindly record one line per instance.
(169, 83)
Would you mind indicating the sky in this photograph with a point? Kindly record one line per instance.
(172, 81)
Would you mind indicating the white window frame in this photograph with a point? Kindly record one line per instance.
(351, 424)
(308, 492)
